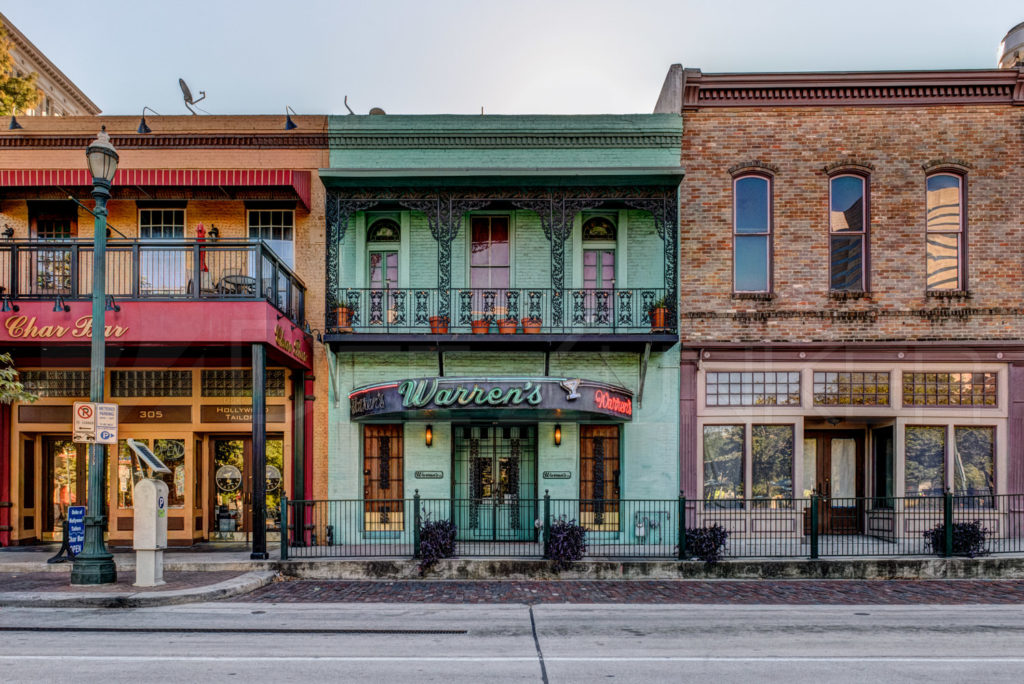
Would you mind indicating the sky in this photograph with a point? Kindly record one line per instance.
(456, 56)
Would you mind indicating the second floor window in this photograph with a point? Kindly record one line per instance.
(847, 233)
(752, 223)
(275, 227)
(489, 253)
(382, 241)
(163, 268)
(945, 229)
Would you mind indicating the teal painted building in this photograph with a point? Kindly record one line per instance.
(501, 296)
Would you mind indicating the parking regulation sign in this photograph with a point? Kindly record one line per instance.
(94, 423)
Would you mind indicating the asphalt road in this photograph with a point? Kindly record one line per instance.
(513, 642)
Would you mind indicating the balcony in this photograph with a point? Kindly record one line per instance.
(172, 270)
(502, 317)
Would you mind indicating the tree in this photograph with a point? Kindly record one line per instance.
(10, 389)
(17, 93)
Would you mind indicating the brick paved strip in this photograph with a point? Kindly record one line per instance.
(834, 592)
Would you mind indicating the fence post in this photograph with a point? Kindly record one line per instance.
(547, 520)
(284, 527)
(947, 515)
(682, 526)
(814, 526)
(416, 524)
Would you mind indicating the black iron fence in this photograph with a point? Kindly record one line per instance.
(489, 310)
(815, 527)
(153, 270)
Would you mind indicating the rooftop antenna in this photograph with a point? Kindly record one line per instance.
(188, 95)
(347, 107)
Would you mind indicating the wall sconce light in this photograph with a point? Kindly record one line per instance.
(60, 305)
(111, 304)
(14, 122)
(558, 434)
(214, 232)
(833, 421)
(289, 125)
(143, 128)
(8, 232)
(7, 306)
(428, 436)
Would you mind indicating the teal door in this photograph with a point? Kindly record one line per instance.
(495, 483)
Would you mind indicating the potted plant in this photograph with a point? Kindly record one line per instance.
(531, 325)
(508, 326)
(481, 326)
(344, 314)
(439, 325)
(658, 313)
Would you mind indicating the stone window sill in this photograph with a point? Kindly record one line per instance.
(756, 296)
(948, 294)
(841, 295)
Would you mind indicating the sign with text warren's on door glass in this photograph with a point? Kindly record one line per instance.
(228, 413)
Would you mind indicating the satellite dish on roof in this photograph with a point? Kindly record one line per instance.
(189, 101)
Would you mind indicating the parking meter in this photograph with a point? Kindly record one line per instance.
(150, 528)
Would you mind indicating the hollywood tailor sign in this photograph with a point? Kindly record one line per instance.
(523, 398)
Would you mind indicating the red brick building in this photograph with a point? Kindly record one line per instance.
(851, 284)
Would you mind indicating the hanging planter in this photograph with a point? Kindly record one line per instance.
(531, 326)
(439, 325)
(508, 326)
(481, 326)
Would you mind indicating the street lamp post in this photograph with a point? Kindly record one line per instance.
(95, 565)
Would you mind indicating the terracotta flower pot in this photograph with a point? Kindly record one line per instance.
(508, 326)
(439, 325)
(531, 326)
(344, 316)
(481, 326)
(659, 318)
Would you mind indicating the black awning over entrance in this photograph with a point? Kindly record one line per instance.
(487, 398)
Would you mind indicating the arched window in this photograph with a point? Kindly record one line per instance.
(847, 225)
(598, 228)
(752, 232)
(945, 232)
(382, 240)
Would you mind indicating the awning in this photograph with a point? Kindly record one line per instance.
(298, 181)
(493, 398)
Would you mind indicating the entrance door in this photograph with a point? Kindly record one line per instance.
(64, 480)
(834, 469)
(231, 510)
(495, 482)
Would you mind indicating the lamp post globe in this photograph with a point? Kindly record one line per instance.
(95, 565)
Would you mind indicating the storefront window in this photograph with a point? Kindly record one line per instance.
(127, 475)
(772, 464)
(973, 460)
(171, 452)
(753, 389)
(925, 454)
(723, 462)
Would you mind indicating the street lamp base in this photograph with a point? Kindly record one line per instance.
(94, 570)
(259, 555)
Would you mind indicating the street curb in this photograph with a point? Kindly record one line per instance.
(235, 586)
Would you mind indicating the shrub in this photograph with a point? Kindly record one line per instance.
(568, 543)
(706, 543)
(968, 539)
(437, 541)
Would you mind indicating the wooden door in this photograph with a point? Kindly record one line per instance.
(599, 477)
(836, 459)
(383, 478)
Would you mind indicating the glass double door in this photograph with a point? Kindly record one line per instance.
(834, 470)
(231, 508)
(65, 482)
(495, 482)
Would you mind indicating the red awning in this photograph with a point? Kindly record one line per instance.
(299, 181)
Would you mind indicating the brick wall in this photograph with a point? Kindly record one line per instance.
(799, 142)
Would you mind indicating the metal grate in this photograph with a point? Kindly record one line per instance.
(950, 389)
(151, 383)
(72, 383)
(599, 477)
(753, 389)
(383, 478)
(851, 389)
(238, 383)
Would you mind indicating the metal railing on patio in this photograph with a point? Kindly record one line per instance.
(814, 527)
(153, 270)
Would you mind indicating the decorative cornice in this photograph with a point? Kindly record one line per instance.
(753, 165)
(512, 140)
(993, 86)
(192, 141)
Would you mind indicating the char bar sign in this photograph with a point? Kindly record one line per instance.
(543, 397)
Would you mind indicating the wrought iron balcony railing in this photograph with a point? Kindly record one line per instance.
(150, 270)
(487, 310)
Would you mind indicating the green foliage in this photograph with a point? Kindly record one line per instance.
(10, 389)
(16, 92)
